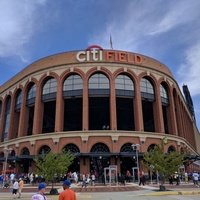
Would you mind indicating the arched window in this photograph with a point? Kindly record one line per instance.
(171, 149)
(44, 150)
(164, 95)
(49, 105)
(99, 85)
(151, 147)
(25, 151)
(73, 101)
(18, 100)
(73, 86)
(31, 94)
(30, 103)
(12, 153)
(148, 97)
(165, 103)
(99, 102)
(124, 86)
(146, 88)
(49, 89)
(72, 148)
(100, 148)
(126, 148)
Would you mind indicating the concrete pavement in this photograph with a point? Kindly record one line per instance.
(134, 189)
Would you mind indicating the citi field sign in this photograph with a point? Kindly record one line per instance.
(96, 53)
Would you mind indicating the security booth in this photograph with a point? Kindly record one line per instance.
(135, 174)
(110, 174)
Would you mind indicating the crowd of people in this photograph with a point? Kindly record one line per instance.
(17, 182)
(177, 178)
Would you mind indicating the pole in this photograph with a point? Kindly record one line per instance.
(138, 165)
(6, 151)
(135, 147)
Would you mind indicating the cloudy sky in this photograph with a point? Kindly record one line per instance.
(165, 30)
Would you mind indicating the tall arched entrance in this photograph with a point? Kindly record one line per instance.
(73, 149)
(100, 159)
(128, 159)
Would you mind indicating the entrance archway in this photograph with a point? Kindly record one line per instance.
(127, 161)
(99, 160)
(73, 149)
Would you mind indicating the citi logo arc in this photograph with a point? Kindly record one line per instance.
(92, 53)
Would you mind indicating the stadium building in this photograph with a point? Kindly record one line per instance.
(97, 104)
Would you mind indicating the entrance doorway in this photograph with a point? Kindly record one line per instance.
(97, 165)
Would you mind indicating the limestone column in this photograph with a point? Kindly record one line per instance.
(2, 117)
(85, 118)
(172, 115)
(158, 113)
(113, 115)
(12, 118)
(59, 109)
(38, 112)
(23, 120)
(138, 116)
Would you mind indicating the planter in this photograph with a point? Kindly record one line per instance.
(162, 188)
(53, 191)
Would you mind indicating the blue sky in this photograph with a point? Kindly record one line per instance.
(168, 31)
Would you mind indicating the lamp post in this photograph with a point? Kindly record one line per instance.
(6, 153)
(135, 148)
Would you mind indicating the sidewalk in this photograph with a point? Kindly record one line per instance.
(153, 190)
(182, 189)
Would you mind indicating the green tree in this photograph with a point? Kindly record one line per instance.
(53, 165)
(164, 163)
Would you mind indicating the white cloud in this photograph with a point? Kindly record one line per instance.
(190, 69)
(144, 21)
(181, 13)
(17, 19)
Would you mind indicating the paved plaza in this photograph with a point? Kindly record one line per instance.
(128, 192)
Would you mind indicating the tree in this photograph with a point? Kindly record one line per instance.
(53, 165)
(164, 163)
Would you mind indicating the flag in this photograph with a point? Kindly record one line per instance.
(111, 45)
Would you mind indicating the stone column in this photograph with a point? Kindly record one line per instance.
(85, 119)
(59, 109)
(38, 112)
(138, 116)
(113, 115)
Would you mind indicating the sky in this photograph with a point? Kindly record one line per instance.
(168, 31)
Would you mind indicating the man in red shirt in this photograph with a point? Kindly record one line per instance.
(67, 194)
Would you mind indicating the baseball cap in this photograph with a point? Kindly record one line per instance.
(67, 183)
(41, 186)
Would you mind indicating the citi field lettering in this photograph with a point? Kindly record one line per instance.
(96, 53)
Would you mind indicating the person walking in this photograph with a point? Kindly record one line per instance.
(67, 194)
(21, 186)
(195, 177)
(15, 187)
(142, 178)
(40, 195)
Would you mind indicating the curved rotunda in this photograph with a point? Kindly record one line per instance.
(95, 103)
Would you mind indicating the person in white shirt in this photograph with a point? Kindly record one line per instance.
(11, 179)
(40, 195)
(15, 188)
(195, 177)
